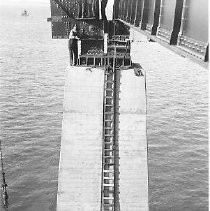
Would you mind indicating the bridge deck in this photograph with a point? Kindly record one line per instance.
(79, 182)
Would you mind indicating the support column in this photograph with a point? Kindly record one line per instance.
(145, 14)
(138, 12)
(184, 12)
(161, 13)
(129, 11)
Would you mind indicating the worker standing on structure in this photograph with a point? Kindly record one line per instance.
(73, 47)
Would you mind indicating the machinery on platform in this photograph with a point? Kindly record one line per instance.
(176, 23)
(98, 38)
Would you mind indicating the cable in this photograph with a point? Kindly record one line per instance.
(4, 185)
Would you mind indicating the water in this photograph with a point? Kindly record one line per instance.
(32, 84)
(178, 138)
(177, 123)
(32, 78)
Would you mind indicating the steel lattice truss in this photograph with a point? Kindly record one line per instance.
(65, 13)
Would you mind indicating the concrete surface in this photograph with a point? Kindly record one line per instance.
(79, 182)
(133, 143)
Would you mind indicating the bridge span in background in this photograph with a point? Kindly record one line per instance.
(183, 23)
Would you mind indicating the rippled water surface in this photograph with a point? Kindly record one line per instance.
(32, 83)
(177, 128)
(32, 77)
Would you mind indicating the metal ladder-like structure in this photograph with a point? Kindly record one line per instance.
(108, 155)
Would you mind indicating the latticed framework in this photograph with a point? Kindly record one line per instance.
(78, 9)
(65, 14)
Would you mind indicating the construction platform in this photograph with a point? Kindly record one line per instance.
(81, 172)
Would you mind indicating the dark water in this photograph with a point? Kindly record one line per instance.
(32, 77)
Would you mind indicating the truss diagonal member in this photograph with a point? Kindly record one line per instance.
(64, 7)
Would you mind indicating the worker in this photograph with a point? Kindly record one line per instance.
(73, 47)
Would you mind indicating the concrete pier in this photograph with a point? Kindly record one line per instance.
(80, 172)
(133, 143)
(79, 182)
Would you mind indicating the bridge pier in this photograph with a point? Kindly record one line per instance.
(87, 179)
(79, 180)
